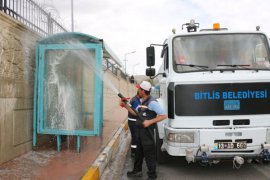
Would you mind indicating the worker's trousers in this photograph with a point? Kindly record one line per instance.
(146, 149)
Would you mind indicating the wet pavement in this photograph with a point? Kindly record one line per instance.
(46, 163)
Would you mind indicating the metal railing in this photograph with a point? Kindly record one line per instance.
(32, 15)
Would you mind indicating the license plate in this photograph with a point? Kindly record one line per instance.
(230, 145)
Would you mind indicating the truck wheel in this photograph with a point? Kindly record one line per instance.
(161, 156)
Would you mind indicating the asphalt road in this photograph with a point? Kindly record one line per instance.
(177, 168)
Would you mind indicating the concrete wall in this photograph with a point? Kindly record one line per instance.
(17, 54)
(17, 63)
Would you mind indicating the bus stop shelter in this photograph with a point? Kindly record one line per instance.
(68, 92)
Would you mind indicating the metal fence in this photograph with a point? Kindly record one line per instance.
(32, 15)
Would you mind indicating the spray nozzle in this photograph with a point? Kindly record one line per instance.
(120, 95)
(124, 99)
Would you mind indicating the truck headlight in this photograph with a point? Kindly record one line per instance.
(184, 137)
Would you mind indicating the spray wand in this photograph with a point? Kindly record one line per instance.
(125, 100)
(140, 118)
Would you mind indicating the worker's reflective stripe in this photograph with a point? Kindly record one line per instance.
(133, 146)
(130, 119)
(143, 106)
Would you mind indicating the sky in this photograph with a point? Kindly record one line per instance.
(132, 25)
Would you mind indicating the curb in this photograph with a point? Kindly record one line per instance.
(95, 171)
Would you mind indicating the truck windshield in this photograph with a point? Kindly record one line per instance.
(221, 51)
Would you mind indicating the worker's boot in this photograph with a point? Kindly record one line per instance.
(134, 173)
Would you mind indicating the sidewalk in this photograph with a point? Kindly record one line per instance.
(47, 163)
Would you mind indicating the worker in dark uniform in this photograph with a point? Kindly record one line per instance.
(135, 101)
(151, 112)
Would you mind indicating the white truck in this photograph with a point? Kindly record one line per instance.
(215, 86)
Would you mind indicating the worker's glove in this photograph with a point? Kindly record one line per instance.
(125, 99)
(123, 102)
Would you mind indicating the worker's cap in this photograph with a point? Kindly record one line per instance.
(145, 85)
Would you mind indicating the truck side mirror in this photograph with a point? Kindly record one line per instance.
(150, 72)
(150, 56)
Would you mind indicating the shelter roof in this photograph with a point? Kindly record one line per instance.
(80, 38)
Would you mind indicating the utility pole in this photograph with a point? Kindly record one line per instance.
(72, 17)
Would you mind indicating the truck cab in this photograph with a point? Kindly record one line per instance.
(215, 86)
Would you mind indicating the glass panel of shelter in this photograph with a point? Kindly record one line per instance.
(68, 90)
